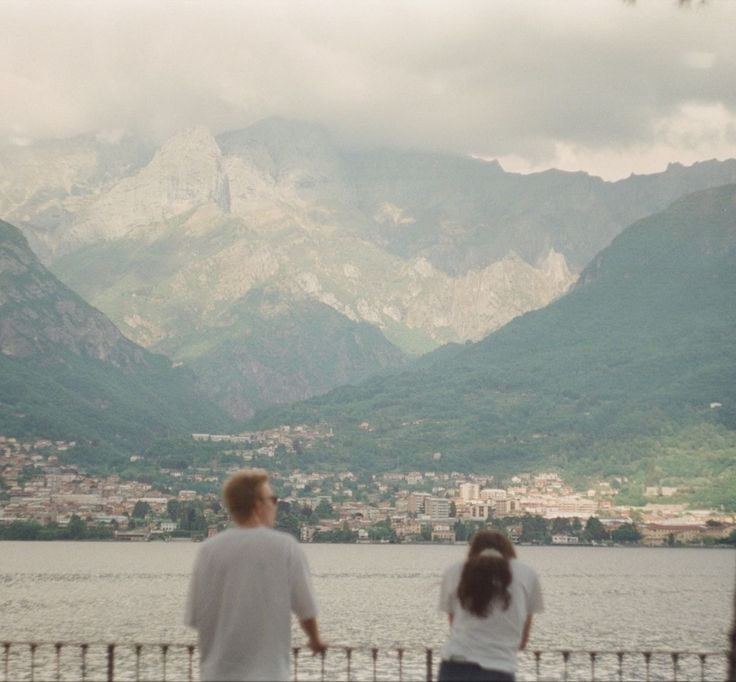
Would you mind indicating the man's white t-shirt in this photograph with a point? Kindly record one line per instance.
(491, 642)
(245, 585)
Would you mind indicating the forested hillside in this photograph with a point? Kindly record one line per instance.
(66, 372)
(633, 373)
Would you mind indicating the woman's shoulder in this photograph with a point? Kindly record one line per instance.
(521, 570)
(456, 567)
(453, 572)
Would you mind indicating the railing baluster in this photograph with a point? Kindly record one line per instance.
(57, 647)
(164, 654)
(6, 660)
(648, 662)
(190, 649)
(592, 655)
(702, 667)
(84, 648)
(565, 659)
(620, 656)
(374, 655)
(537, 658)
(400, 653)
(675, 660)
(349, 654)
(322, 655)
(138, 648)
(33, 661)
(295, 653)
(110, 662)
(429, 665)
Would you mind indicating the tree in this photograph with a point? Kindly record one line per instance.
(626, 533)
(595, 531)
(77, 528)
(141, 510)
(561, 525)
(533, 529)
(453, 510)
(342, 535)
(324, 510)
(464, 530)
(173, 509)
(382, 531)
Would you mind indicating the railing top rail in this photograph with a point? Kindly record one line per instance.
(371, 647)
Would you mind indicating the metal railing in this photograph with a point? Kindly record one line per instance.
(93, 661)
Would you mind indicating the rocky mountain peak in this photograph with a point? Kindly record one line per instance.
(296, 157)
(185, 174)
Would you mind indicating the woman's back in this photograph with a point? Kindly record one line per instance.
(490, 599)
(491, 641)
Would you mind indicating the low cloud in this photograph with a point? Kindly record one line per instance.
(607, 86)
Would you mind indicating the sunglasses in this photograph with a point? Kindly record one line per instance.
(273, 499)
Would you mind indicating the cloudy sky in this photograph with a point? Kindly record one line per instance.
(607, 86)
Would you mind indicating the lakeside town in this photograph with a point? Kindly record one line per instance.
(44, 496)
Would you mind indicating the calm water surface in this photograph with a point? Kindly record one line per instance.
(375, 595)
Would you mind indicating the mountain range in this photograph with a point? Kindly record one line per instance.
(630, 374)
(66, 372)
(359, 259)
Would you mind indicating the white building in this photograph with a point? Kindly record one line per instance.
(469, 491)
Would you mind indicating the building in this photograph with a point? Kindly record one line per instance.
(442, 533)
(562, 539)
(437, 507)
(469, 491)
(507, 507)
(493, 494)
(479, 511)
(417, 503)
(662, 533)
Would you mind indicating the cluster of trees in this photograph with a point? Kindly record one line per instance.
(76, 529)
(539, 531)
(190, 516)
(341, 535)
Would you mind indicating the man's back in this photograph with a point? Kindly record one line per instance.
(246, 583)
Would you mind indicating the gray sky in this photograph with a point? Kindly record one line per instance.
(599, 85)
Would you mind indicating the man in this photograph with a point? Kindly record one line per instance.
(246, 582)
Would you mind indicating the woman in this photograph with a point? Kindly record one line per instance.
(489, 600)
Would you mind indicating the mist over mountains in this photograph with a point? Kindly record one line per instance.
(278, 266)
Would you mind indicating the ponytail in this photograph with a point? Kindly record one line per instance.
(485, 580)
(486, 574)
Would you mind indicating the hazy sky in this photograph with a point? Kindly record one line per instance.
(610, 87)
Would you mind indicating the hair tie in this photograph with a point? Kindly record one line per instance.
(491, 553)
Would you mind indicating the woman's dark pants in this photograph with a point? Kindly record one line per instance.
(455, 671)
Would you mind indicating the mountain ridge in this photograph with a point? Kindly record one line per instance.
(630, 374)
(67, 372)
(429, 249)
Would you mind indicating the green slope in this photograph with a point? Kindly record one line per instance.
(67, 372)
(279, 348)
(616, 378)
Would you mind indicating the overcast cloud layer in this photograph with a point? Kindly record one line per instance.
(601, 85)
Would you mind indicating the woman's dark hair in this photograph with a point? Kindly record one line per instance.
(486, 577)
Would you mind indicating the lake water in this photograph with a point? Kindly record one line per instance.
(601, 599)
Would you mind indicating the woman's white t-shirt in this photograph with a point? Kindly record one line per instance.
(491, 642)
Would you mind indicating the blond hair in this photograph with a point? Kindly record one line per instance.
(242, 490)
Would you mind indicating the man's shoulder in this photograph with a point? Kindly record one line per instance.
(258, 534)
(279, 537)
